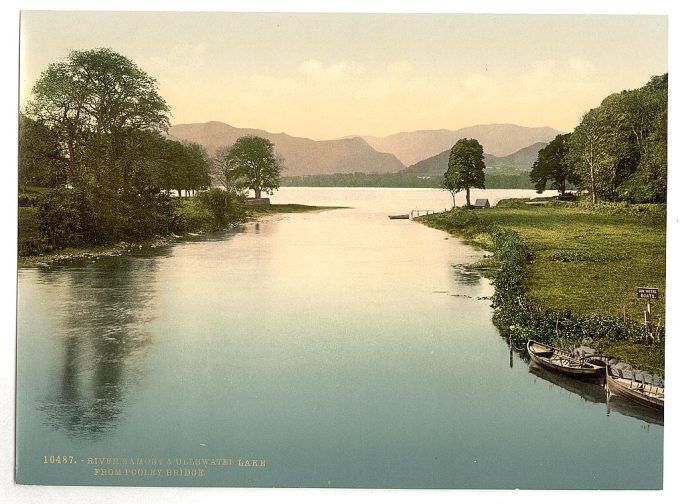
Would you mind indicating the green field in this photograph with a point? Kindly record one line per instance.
(585, 260)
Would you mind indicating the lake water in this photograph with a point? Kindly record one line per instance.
(341, 348)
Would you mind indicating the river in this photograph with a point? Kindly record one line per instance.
(335, 348)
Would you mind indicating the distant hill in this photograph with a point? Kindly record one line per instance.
(302, 156)
(497, 139)
(522, 159)
(436, 166)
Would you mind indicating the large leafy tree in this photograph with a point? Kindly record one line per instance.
(619, 148)
(252, 159)
(552, 166)
(590, 154)
(102, 117)
(466, 167)
(95, 103)
(641, 118)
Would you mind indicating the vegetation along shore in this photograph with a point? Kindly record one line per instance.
(565, 271)
(29, 233)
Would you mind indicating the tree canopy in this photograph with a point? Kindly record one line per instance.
(466, 168)
(94, 133)
(98, 105)
(552, 166)
(251, 163)
(619, 149)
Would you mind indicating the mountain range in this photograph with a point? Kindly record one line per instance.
(497, 139)
(436, 166)
(302, 156)
(504, 144)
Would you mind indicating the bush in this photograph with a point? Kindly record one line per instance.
(225, 206)
(73, 218)
(147, 215)
(65, 218)
(210, 210)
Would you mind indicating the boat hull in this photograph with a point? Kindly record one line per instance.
(622, 387)
(560, 361)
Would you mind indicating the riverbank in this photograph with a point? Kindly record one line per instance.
(566, 271)
(28, 222)
(287, 208)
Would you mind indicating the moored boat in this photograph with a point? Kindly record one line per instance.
(640, 392)
(562, 361)
(399, 216)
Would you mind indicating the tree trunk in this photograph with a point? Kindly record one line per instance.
(258, 192)
(467, 196)
(592, 183)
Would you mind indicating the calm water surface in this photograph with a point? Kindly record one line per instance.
(342, 348)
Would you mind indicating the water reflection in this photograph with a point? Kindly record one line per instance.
(595, 393)
(106, 311)
(589, 391)
(630, 409)
(466, 276)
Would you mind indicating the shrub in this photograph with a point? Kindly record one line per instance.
(65, 218)
(224, 206)
(210, 210)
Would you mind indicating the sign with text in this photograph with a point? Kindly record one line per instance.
(647, 293)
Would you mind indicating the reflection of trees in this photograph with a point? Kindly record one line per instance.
(466, 276)
(104, 328)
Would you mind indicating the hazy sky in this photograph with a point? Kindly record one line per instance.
(330, 75)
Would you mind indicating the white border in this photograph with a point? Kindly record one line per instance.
(9, 492)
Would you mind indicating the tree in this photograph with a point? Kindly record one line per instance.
(619, 148)
(466, 167)
(450, 185)
(643, 116)
(196, 166)
(551, 165)
(590, 155)
(253, 159)
(226, 170)
(38, 155)
(102, 117)
(95, 103)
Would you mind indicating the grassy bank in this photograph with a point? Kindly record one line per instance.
(286, 208)
(578, 270)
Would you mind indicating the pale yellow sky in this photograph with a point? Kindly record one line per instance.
(330, 75)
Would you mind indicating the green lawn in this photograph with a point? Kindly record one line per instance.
(590, 261)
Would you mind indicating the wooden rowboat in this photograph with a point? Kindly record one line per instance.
(562, 361)
(400, 216)
(645, 394)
